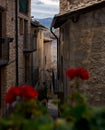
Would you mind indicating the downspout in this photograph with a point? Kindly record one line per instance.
(57, 66)
(57, 51)
(16, 37)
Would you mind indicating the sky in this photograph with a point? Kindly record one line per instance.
(44, 8)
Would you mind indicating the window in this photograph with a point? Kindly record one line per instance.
(26, 36)
(35, 39)
(27, 69)
(0, 35)
(21, 29)
(34, 42)
(23, 6)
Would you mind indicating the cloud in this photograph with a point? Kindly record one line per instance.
(44, 8)
(39, 3)
(50, 2)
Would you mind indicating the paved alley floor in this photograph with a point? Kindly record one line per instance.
(53, 109)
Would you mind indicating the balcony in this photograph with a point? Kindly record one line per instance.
(29, 44)
(4, 51)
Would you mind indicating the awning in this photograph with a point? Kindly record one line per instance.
(61, 18)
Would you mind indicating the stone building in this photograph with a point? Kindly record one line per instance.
(44, 56)
(15, 46)
(48, 61)
(39, 60)
(51, 47)
(82, 44)
(54, 50)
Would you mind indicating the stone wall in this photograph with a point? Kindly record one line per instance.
(3, 3)
(84, 46)
(63, 5)
(21, 56)
(66, 5)
(8, 73)
(41, 56)
(54, 55)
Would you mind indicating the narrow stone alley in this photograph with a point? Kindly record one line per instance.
(53, 109)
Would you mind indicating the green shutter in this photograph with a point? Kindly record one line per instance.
(23, 6)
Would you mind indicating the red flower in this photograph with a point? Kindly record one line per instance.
(11, 95)
(83, 73)
(28, 92)
(71, 73)
(79, 72)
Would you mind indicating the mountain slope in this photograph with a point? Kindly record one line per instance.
(45, 21)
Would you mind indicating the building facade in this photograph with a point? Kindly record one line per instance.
(25, 46)
(82, 45)
(7, 51)
(43, 56)
(39, 60)
(14, 51)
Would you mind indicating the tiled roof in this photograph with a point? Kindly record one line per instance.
(37, 24)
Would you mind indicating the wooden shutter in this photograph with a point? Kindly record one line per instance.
(23, 6)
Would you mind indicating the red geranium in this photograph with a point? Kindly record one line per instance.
(28, 92)
(71, 73)
(83, 73)
(11, 95)
(78, 72)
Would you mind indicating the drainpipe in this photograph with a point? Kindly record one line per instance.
(57, 51)
(16, 37)
(57, 66)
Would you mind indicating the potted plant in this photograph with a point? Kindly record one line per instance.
(30, 114)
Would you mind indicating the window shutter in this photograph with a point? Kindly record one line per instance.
(23, 6)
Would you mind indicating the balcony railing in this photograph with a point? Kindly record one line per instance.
(29, 43)
(4, 51)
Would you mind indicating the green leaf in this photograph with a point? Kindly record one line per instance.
(78, 111)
